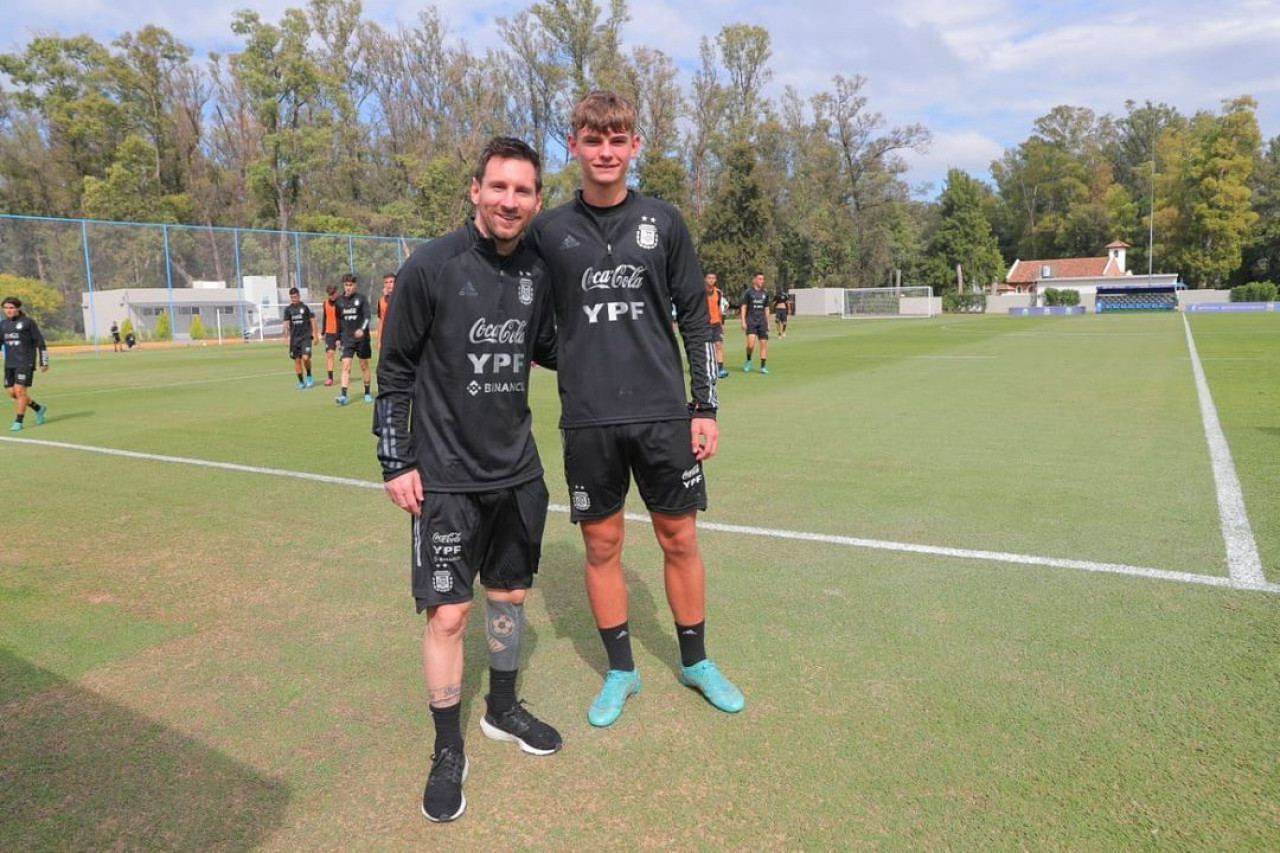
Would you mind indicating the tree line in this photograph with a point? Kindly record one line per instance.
(327, 122)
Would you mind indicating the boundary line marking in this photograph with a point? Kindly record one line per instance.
(1259, 585)
(1243, 563)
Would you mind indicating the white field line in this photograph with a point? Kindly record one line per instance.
(1243, 563)
(120, 388)
(793, 535)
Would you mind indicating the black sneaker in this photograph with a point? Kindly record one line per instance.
(534, 736)
(443, 799)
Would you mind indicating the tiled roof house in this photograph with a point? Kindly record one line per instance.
(1035, 275)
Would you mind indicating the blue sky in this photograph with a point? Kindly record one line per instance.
(977, 73)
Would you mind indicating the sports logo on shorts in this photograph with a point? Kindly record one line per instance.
(691, 477)
(441, 581)
(647, 233)
(525, 290)
(581, 500)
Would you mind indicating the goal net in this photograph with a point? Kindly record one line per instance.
(913, 301)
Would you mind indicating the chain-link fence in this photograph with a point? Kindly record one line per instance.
(159, 278)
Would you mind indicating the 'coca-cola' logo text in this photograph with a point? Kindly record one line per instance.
(621, 277)
(509, 332)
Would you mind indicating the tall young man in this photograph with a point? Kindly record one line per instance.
(617, 262)
(303, 332)
(24, 348)
(329, 328)
(353, 330)
(754, 313)
(473, 312)
(716, 313)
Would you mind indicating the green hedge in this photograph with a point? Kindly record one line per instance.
(1254, 291)
(964, 303)
(1053, 296)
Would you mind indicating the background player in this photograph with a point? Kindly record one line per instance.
(754, 311)
(715, 303)
(472, 313)
(780, 310)
(353, 329)
(303, 332)
(618, 261)
(329, 328)
(24, 347)
(388, 285)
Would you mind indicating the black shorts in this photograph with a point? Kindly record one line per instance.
(494, 535)
(599, 462)
(330, 341)
(24, 376)
(115, 337)
(758, 327)
(359, 348)
(780, 315)
(300, 349)
(717, 332)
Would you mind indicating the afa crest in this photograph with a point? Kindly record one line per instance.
(647, 233)
(525, 291)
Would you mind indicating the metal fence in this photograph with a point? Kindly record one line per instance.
(115, 271)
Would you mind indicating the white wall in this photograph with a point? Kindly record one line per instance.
(819, 301)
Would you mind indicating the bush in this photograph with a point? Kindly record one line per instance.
(1066, 296)
(197, 329)
(964, 303)
(125, 328)
(1254, 291)
(164, 329)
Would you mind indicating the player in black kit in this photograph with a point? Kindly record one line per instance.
(755, 322)
(353, 330)
(303, 332)
(473, 313)
(24, 347)
(618, 261)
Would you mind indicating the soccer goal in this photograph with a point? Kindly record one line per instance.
(912, 301)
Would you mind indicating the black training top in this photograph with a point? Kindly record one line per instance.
(298, 318)
(453, 377)
(22, 342)
(756, 301)
(616, 272)
(353, 314)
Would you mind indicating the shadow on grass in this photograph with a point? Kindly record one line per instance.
(560, 581)
(78, 772)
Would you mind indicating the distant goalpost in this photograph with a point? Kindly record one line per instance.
(871, 302)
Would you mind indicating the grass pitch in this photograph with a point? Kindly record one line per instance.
(195, 658)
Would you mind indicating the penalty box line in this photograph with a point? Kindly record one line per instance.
(719, 527)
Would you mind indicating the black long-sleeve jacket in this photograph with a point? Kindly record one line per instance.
(616, 273)
(453, 376)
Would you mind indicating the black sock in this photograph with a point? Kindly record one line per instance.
(299, 377)
(763, 362)
(330, 372)
(34, 406)
(366, 389)
(344, 390)
(617, 645)
(18, 418)
(308, 370)
(748, 355)
(692, 646)
(502, 691)
(448, 725)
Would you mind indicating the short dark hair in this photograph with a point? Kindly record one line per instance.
(331, 289)
(386, 275)
(349, 277)
(510, 148)
(294, 290)
(12, 300)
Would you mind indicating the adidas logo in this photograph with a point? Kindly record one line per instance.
(569, 243)
(468, 289)
(689, 632)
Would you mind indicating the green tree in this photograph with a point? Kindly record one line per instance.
(164, 328)
(1261, 259)
(197, 332)
(38, 299)
(739, 221)
(963, 237)
(1207, 212)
